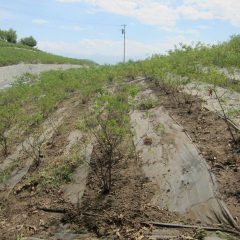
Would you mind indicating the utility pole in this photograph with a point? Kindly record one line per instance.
(124, 41)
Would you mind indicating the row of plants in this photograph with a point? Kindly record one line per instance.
(36, 97)
(32, 98)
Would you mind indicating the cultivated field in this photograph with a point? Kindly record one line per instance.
(142, 150)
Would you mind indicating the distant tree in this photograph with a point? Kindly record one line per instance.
(29, 41)
(3, 35)
(11, 36)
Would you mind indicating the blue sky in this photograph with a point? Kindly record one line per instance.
(92, 28)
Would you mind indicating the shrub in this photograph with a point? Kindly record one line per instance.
(108, 125)
(29, 41)
(11, 36)
(8, 36)
(147, 103)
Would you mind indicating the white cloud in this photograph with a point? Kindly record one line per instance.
(167, 13)
(192, 13)
(147, 11)
(90, 48)
(39, 21)
(220, 9)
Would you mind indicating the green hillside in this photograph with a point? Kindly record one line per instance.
(15, 53)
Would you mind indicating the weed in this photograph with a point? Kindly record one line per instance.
(131, 89)
(4, 176)
(159, 128)
(20, 237)
(63, 174)
(147, 103)
(233, 112)
(200, 234)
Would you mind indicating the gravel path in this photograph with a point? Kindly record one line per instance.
(9, 73)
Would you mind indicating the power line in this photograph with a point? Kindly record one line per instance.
(124, 41)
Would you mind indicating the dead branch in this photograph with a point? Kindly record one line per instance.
(158, 224)
(176, 225)
(225, 116)
(53, 210)
(64, 211)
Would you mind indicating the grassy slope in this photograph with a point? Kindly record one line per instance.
(16, 53)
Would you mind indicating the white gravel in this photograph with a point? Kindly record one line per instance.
(8, 74)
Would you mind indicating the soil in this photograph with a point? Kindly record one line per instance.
(19, 212)
(209, 132)
(119, 214)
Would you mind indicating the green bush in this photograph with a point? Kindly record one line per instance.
(147, 103)
(63, 174)
(29, 41)
(8, 35)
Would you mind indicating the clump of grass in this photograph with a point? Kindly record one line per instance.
(233, 112)
(63, 174)
(55, 176)
(4, 176)
(147, 103)
(131, 89)
(159, 128)
(200, 234)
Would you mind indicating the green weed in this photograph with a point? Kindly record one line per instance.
(159, 128)
(147, 103)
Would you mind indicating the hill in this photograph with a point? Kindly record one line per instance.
(128, 151)
(15, 53)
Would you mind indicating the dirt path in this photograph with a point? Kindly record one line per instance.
(8, 74)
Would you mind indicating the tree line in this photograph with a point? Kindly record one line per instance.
(10, 36)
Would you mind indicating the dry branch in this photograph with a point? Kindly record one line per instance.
(176, 225)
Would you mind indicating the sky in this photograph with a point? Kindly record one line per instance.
(91, 29)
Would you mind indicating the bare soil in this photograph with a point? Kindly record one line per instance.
(119, 215)
(209, 132)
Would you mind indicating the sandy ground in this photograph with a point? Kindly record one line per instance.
(8, 74)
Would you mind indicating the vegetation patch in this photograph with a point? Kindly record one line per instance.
(16, 54)
(159, 128)
(147, 103)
